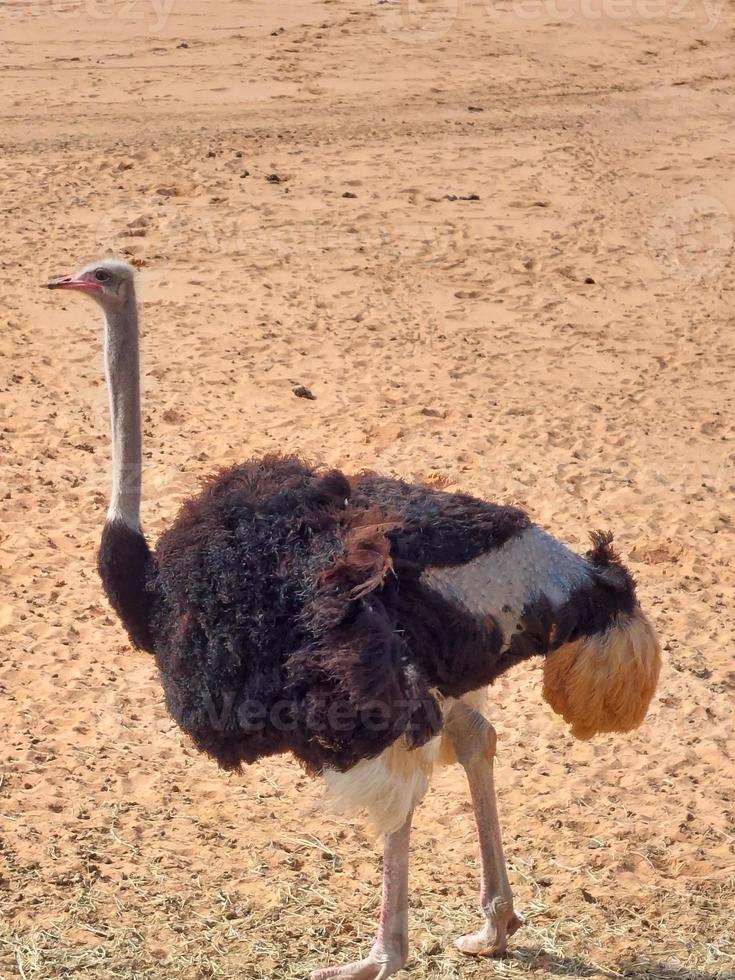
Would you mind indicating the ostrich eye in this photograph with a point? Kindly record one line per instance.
(102, 276)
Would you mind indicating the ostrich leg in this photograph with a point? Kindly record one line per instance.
(473, 739)
(390, 949)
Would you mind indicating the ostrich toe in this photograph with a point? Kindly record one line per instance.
(492, 939)
(373, 967)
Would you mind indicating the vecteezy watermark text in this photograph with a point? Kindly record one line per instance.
(428, 21)
(152, 14)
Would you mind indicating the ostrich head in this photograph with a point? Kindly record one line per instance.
(109, 282)
(605, 682)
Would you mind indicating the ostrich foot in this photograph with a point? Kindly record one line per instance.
(492, 940)
(390, 948)
(377, 966)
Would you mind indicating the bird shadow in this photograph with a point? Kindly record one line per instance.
(572, 966)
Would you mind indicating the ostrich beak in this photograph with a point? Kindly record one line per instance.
(69, 282)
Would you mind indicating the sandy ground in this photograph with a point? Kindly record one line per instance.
(564, 342)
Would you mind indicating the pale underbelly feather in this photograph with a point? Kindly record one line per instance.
(388, 787)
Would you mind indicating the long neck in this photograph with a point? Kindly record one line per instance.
(123, 381)
(124, 559)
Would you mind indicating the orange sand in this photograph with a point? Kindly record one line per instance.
(443, 338)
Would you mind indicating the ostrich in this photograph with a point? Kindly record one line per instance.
(356, 622)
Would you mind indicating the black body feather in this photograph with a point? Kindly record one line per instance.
(287, 611)
(125, 565)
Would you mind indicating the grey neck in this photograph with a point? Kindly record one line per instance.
(122, 370)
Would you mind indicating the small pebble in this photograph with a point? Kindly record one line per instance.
(302, 392)
(462, 197)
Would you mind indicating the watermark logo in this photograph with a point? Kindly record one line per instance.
(417, 21)
(153, 13)
(692, 238)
